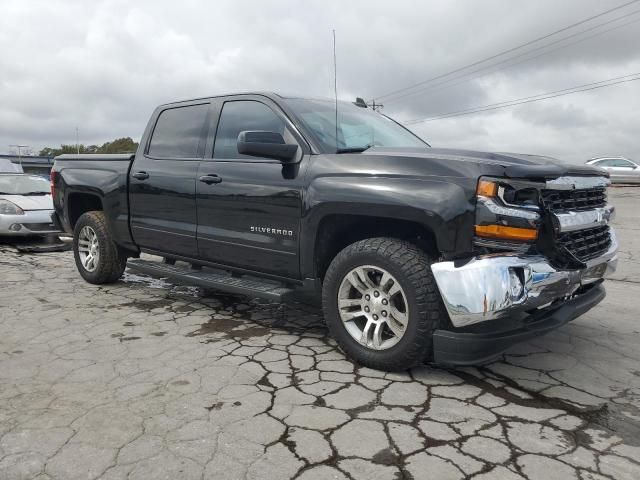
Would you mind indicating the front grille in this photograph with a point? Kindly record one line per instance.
(564, 200)
(586, 244)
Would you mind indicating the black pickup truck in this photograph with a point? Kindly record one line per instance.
(417, 253)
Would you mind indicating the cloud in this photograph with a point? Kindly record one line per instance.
(104, 65)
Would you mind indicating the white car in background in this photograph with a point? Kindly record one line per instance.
(25, 205)
(7, 166)
(621, 170)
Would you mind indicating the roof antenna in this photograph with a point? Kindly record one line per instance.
(335, 84)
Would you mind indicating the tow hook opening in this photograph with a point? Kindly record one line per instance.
(516, 284)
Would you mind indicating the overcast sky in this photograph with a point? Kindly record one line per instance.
(104, 65)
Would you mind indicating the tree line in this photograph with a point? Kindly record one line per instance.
(119, 145)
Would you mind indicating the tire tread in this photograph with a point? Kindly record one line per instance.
(415, 264)
(112, 260)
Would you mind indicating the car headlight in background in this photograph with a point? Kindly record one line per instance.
(9, 208)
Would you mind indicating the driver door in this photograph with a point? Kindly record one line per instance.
(249, 217)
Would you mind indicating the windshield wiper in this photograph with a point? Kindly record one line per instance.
(33, 193)
(354, 149)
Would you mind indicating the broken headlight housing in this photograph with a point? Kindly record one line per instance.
(507, 213)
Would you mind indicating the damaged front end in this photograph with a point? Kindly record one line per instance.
(540, 246)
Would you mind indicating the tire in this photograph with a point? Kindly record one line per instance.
(110, 261)
(409, 267)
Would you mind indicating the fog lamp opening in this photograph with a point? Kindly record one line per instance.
(15, 227)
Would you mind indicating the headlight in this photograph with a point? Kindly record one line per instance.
(9, 208)
(507, 210)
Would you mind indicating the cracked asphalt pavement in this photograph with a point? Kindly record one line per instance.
(148, 380)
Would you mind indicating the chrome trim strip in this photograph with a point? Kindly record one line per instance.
(483, 288)
(579, 220)
(577, 183)
(503, 245)
(508, 211)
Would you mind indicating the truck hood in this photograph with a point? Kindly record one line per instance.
(513, 165)
(30, 202)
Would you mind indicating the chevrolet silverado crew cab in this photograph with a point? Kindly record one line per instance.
(417, 253)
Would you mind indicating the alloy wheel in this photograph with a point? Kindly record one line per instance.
(373, 307)
(88, 248)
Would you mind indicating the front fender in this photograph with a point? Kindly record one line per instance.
(444, 206)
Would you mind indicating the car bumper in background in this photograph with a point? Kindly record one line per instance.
(33, 222)
(628, 180)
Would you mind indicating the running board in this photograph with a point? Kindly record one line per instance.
(215, 279)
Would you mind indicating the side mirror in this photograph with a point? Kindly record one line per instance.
(266, 144)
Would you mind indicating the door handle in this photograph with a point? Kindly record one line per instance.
(210, 179)
(140, 175)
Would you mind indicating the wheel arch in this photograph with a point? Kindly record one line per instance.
(79, 203)
(435, 214)
(337, 231)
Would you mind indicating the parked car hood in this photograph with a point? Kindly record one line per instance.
(507, 164)
(30, 202)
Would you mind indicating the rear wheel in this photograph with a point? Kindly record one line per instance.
(381, 303)
(98, 258)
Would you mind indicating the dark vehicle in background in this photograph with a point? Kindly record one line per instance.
(25, 206)
(621, 170)
(416, 253)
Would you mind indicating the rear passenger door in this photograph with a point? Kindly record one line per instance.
(162, 181)
(250, 218)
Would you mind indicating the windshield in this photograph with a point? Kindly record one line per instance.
(23, 185)
(358, 128)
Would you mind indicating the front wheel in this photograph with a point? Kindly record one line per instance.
(381, 303)
(98, 258)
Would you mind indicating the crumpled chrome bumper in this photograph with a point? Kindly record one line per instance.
(494, 286)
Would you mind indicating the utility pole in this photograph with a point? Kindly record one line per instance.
(375, 106)
(19, 147)
(77, 142)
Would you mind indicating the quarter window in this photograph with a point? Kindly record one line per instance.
(239, 116)
(178, 132)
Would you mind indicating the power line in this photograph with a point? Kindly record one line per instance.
(448, 82)
(531, 97)
(534, 98)
(507, 51)
(568, 27)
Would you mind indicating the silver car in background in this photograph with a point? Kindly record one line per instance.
(25, 205)
(621, 170)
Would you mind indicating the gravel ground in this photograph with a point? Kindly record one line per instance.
(147, 380)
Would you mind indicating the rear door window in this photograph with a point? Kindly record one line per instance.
(179, 132)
